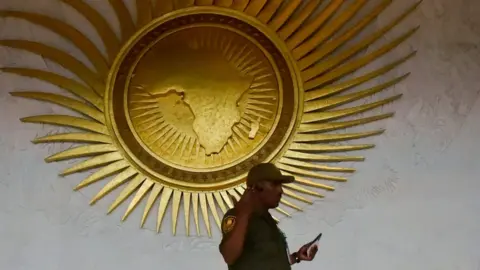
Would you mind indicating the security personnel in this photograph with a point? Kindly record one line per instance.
(251, 238)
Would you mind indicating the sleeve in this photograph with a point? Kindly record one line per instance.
(228, 222)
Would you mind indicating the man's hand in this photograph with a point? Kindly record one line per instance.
(303, 255)
(248, 202)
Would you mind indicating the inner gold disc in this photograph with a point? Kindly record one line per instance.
(199, 96)
(203, 97)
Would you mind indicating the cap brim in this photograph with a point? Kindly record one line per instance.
(286, 179)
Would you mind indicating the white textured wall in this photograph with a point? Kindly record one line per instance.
(413, 204)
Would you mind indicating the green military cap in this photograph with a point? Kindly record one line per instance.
(267, 172)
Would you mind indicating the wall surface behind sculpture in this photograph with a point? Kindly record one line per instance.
(413, 204)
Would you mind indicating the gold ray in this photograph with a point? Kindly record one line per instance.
(331, 126)
(101, 26)
(335, 43)
(336, 114)
(178, 4)
(220, 202)
(314, 24)
(68, 32)
(60, 81)
(150, 201)
(357, 63)
(124, 17)
(103, 173)
(283, 212)
(240, 5)
(126, 192)
(195, 212)
(304, 190)
(93, 163)
(223, 3)
(314, 165)
(328, 103)
(162, 207)
(162, 7)
(204, 209)
(254, 7)
(186, 210)
(328, 147)
(234, 194)
(64, 101)
(298, 171)
(338, 88)
(82, 151)
(308, 182)
(144, 12)
(117, 181)
(295, 196)
(335, 137)
(269, 10)
(284, 14)
(74, 137)
(324, 158)
(226, 198)
(213, 209)
(177, 196)
(204, 2)
(66, 120)
(293, 24)
(147, 184)
(291, 205)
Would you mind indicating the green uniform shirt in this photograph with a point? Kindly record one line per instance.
(265, 246)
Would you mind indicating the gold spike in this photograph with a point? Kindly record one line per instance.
(226, 198)
(213, 209)
(101, 26)
(331, 46)
(178, 4)
(223, 3)
(93, 163)
(308, 182)
(330, 126)
(287, 203)
(195, 212)
(102, 173)
(290, 170)
(269, 10)
(144, 12)
(335, 137)
(118, 180)
(74, 137)
(357, 63)
(177, 196)
(162, 7)
(123, 15)
(324, 158)
(234, 194)
(60, 81)
(150, 201)
(162, 207)
(204, 2)
(293, 195)
(221, 204)
(283, 212)
(126, 192)
(284, 14)
(327, 31)
(335, 101)
(147, 184)
(254, 7)
(337, 88)
(328, 147)
(66, 120)
(82, 151)
(316, 166)
(64, 101)
(304, 190)
(301, 35)
(276, 219)
(68, 32)
(336, 114)
(240, 5)
(186, 210)
(204, 208)
(293, 24)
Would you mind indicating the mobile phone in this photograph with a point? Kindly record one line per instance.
(313, 244)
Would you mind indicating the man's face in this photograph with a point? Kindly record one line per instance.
(271, 194)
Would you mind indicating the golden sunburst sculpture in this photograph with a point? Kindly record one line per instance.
(196, 92)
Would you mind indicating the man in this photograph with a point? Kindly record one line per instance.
(251, 237)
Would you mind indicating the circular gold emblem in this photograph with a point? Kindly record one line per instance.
(194, 93)
(200, 96)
